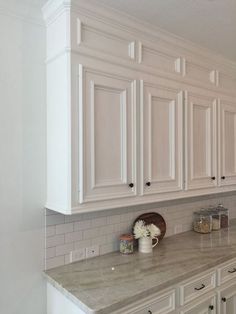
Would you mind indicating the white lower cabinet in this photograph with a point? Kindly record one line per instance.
(227, 299)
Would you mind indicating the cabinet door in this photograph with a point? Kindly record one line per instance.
(161, 139)
(205, 306)
(227, 144)
(200, 137)
(107, 136)
(227, 300)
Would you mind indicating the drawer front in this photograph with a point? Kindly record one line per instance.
(196, 287)
(227, 272)
(161, 304)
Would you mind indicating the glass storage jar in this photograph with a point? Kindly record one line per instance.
(202, 221)
(224, 216)
(216, 221)
(126, 243)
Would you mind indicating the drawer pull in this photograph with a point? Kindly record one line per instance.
(232, 271)
(131, 185)
(202, 286)
(211, 307)
(223, 299)
(149, 312)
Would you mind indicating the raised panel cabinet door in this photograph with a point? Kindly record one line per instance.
(204, 306)
(161, 139)
(107, 110)
(227, 300)
(227, 143)
(200, 141)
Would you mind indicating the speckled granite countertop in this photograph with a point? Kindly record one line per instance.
(109, 282)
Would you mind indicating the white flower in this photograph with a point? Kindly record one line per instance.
(153, 230)
(140, 230)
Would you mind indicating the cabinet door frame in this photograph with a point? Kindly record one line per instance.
(123, 188)
(191, 182)
(223, 293)
(225, 106)
(174, 182)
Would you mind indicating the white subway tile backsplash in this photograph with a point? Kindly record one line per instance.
(97, 222)
(51, 252)
(82, 244)
(55, 261)
(50, 231)
(82, 225)
(73, 236)
(55, 240)
(55, 219)
(113, 219)
(67, 233)
(64, 228)
(91, 233)
(64, 249)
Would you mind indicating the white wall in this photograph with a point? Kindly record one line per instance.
(22, 159)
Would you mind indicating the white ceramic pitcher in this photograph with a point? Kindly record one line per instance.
(145, 245)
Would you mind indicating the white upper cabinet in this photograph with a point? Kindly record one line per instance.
(200, 137)
(161, 138)
(134, 115)
(227, 143)
(108, 152)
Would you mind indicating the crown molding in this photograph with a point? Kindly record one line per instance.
(128, 23)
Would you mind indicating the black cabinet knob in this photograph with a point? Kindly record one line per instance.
(148, 183)
(131, 185)
(211, 307)
(223, 299)
(149, 312)
(213, 178)
(223, 177)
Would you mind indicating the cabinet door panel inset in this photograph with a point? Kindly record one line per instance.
(161, 139)
(108, 162)
(200, 136)
(227, 144)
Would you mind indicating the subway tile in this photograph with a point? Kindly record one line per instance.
(64, 249)
(55, 219)
(73, 236)
(99, 240)
(82, 244)
(67, 259)
(72, 218)
(50, 231)
(82, 225)
(115, 219)
(55, 261)
(64, 228)
(97, 222)
(91, 233)
(50, 252)
(55, 240)
(106, 229)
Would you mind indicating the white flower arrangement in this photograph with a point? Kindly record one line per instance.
(145, 231)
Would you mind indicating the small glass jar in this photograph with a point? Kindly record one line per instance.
(126, 243)
(202, 221)
(224, 216)
(216, 221)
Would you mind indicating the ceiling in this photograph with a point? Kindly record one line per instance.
(210, 23)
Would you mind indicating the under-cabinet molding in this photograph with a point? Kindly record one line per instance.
(107, 77)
